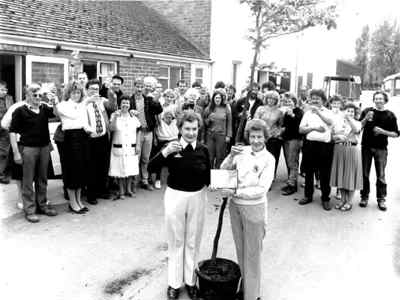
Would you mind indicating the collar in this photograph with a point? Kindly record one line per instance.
(258, 153)
(184, 143)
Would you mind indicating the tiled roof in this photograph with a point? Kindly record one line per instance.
(118, 24)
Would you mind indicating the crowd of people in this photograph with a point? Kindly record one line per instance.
(110, 142)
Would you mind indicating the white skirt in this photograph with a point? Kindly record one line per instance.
(124, 165)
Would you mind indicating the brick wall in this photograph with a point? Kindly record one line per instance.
(129, 68)
(191, 17)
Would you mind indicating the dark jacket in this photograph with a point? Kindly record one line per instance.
(151, 110)
(242, 105)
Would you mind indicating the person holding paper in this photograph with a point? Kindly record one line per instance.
(185, 199)
(248, 207)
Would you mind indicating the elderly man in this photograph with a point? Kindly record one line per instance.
(5, 102)
(146, 109)
(30, 121)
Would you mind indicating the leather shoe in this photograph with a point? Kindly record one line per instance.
(305, 201)
(290, 190)
(92, 201)
(147, 186)
(32, 218)
(382, 205)
(326, 205)
(172, 293)
(363, 202)
(47, 210)
(192, 291)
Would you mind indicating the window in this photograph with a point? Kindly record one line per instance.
(199, 75)
(105, 70)
(169, 76)
(42, 69)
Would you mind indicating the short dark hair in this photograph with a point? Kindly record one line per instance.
(116, 76)
(231, 87)
(351, 105)
(385, 96)
(336, 98)
(189, 116)
(196, 84)
(219, 85)
(180, 81)
(125, 97)
(3, 83)
(320, 93)
(93, 82)
(269, 85)
(291, 96)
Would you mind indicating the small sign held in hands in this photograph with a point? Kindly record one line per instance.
(224, 179)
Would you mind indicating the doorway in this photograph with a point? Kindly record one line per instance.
(7, 72)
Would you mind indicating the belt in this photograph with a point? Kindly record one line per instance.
(120, 145)
(347, 143)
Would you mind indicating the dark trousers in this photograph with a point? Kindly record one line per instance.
(317, 157)
(380, 159)
(98, 165)
(61, 153)
(216, 144)
(4, 152)
(274, 146)
(154, 151)
(35, 161)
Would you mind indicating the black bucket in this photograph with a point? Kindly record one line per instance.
(218, 279)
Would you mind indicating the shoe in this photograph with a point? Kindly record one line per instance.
(289, 191)
(48, 211)
(92, 201)
(33, 218)
(285, 187)
(326, 205)
(157, 185)
(305, 201)
(85, 209)
(363, 202)
(78, 212)
(382, 205)
(147, 186)
(172, 293)
(346, 207)
(4, 180)
(192, 291)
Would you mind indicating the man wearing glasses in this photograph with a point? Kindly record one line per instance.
(5, 102)
(30, 121)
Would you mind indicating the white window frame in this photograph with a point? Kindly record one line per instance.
(99, 75)
(169, 74)
(203, 74)
(45, 59)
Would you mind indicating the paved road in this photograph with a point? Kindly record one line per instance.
(117, 251)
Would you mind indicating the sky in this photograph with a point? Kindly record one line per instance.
(354, 14)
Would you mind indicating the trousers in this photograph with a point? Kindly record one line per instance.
(291, 150)
(380, 160)
(184, 219)
(35, 161)
(146, 142)
(248, 229)
(216, 144)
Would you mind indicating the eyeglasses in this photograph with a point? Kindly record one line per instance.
(93, 88)
(37, 95)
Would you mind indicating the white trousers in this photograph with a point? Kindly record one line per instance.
(184, 216)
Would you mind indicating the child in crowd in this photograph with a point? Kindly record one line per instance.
(124, 162)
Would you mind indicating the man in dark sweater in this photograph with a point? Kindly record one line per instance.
(31, 122)
(5, 102)
(379, 124)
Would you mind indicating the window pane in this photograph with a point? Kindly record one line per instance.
(107, 68)
(175, 76)
(199, 80)
(164, 83)
(199, 72)
(47, 72)
(163, 72)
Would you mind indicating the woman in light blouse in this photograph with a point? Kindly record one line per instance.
(74, 122)
(248, 208)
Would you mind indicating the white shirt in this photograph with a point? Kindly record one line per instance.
(255, 175)
(184, 143)
(73, 115)
(7, 118)
(92, 118)
(125, 130)
(311, 119)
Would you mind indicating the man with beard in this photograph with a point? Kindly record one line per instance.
(245, 109)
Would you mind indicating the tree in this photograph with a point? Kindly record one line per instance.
(385, 50)
(362, 54)
(274, 18)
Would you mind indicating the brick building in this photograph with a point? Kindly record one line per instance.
(53, 40)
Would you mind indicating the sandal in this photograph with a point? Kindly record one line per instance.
(339, 205)
(346, 207)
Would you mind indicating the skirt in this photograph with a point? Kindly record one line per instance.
(346, 172)
(75, 158)
(123, 163)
